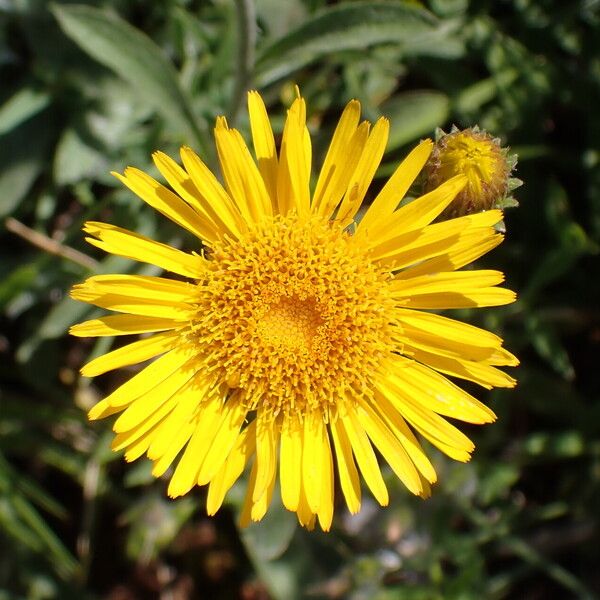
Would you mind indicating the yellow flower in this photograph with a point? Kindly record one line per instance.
(298, 341)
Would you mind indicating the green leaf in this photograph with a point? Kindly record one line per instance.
(414, 114)
(135, 58)
(356, 26)
(23, 155)
(472, 98)
(16, 282)
(154, 522)
(270, 538)
(549, 346)
(67, 311)
(64, 562)
(279, 556)
(9, 479)
(20, 107)
(567, 444)
(496, 481)
(24, 522)
(76, 160)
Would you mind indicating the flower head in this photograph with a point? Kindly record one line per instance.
(482, 160)
(294, 343)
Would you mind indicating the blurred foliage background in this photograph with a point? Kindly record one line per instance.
(86, 89)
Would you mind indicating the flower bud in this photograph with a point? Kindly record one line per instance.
(486, 165)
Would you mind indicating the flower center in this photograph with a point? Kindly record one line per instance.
(294, 316)
(291, 325)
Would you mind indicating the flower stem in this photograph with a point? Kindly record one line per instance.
(49, 245)
(246, 17)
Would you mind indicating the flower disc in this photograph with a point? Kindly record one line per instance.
(295, 316)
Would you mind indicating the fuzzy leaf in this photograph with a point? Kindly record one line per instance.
(134, 57)
(355, 26)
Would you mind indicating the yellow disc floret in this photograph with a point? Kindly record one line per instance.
(294, 316)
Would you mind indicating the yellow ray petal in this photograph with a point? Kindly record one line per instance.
(298, 156)
(384, 247)
(306, 517)
(266, 456)
(396, 187)
(416, 246)
(433, 240)
(264, 144)
(251, 177)
(214, 197)
(183, 184)
(232, 468)
(363, 452)
(331, 184)
(347, 471)
(127, 304)
(365, 171)
(448, 332)
(415, 337)
(138, 247)
(502, 357)
(154, 419)
(260, 506)
(285, 202)
(179, 440)
(137, 294)
(307, 153)
(448, 282)
(131, 354)
(453, 451)
(405, 436)
(466, 298)
(419, 212)
(436, 393)
(477, 372)
(312, 459)
(143, 406)
(189, 399)
(227, 158)
(244, 519)
(146, 379)
(243, 180)
(346, 160)
(137, 448)
(186, 472)
(103, 409)
(226, 434)
(325, 511)
(423, 418)
(167, 203)
(294, 174)
(122, 325)
(390, 447)
(426, 493)
(138, 286)
(456, 257)
(290, 463)
(486, 218)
